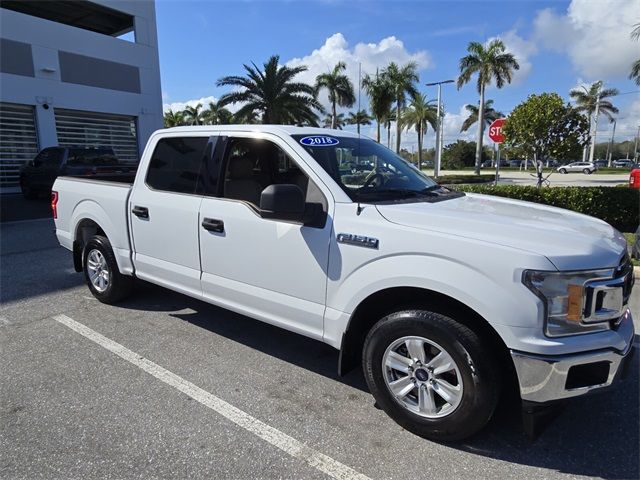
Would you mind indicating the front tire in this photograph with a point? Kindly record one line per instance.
(101, 271)
(563, 170)
(431, 374)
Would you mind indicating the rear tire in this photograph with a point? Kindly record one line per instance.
(101, 271)
(586, 171)
(447, 399)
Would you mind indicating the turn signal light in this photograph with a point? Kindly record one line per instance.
(54, 204)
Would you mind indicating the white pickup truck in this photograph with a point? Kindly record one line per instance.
(443, 297)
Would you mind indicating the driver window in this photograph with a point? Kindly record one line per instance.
(251, 165)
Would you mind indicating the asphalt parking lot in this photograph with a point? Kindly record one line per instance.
(165, 386)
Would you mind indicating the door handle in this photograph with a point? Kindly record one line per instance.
(213, 225)
(142, 212)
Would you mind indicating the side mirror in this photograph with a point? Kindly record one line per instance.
(282, 202)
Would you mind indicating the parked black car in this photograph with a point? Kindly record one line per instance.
(37, 176)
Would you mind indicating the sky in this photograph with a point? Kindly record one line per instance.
(559, 45)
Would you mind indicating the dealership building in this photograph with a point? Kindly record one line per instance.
(76, 73)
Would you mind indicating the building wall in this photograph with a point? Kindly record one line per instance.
(88, 58)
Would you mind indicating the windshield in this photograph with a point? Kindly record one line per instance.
(366, 170)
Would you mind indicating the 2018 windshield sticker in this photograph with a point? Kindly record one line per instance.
(319, 141)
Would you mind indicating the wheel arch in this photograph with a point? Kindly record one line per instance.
(84, 230)
(386, 301)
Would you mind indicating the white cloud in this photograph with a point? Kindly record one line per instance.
(521, 49)
(372, 56)
(179, 106)
(594, 34)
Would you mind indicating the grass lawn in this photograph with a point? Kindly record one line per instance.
(631, 238)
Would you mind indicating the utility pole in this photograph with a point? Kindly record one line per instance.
(595, 128)
(436, 169)
(635, 148)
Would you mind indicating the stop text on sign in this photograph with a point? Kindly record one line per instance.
(495, 130)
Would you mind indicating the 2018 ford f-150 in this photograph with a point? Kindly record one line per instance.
(443, 297)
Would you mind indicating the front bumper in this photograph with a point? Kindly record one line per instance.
(547, 378)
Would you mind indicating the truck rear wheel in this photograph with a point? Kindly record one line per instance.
(101, 271)
(431, 374)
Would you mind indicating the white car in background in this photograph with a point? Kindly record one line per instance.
(585, 167)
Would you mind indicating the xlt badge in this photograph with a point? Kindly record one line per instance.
(358, 240)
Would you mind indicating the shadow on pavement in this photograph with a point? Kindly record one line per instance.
(14, 207)
(594, 436)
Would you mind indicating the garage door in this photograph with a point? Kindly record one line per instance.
(78, 128)
(18, 140)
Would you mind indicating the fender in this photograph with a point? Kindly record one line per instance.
(91, 210)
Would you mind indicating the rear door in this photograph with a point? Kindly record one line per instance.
(164, 206)
(268, 269)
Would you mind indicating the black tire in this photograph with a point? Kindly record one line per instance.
(478, 370)
(563, 170)
(28, 191)
(586, 171)
(119, 286)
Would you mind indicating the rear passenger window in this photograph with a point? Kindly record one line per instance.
(177, 163)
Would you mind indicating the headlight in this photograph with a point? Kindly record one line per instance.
(563, 294)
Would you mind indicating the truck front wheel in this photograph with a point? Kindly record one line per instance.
(101, 272)
(431, 374)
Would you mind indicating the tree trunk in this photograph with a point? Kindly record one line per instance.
(378, 130)
(480, 130)
(389, 134)
(358, 126)
(419, 147)
(398, 126)
(333, 115)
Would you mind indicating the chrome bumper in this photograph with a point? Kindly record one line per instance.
(547, 378)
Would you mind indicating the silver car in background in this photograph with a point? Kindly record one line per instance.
(585, 167)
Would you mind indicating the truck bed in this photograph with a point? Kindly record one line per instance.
(103, 201)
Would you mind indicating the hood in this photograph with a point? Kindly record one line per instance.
(571, 241)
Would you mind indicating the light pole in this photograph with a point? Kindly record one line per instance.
(635, 147)
(436, 168)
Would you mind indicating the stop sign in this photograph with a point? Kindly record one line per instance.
(495, 130)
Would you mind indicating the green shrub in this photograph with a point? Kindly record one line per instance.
(617, 206)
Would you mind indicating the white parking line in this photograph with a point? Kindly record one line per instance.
(275, 437)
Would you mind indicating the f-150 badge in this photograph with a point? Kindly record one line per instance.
(358, 240)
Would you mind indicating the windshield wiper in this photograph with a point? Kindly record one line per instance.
(399, 192)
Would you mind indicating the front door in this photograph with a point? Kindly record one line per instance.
(164, 210)
(269, 269)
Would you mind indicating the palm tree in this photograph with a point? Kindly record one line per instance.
(419, 115)
(388, 119)
(489, 115)
(334, 122)
(635, 67)
(402, 81)
(273, 94)
(340, 89)
(361, 117)
(380, 99)
(588, 100)
(492, 63)
(173, 119)
(216, 114)
(193, 115)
